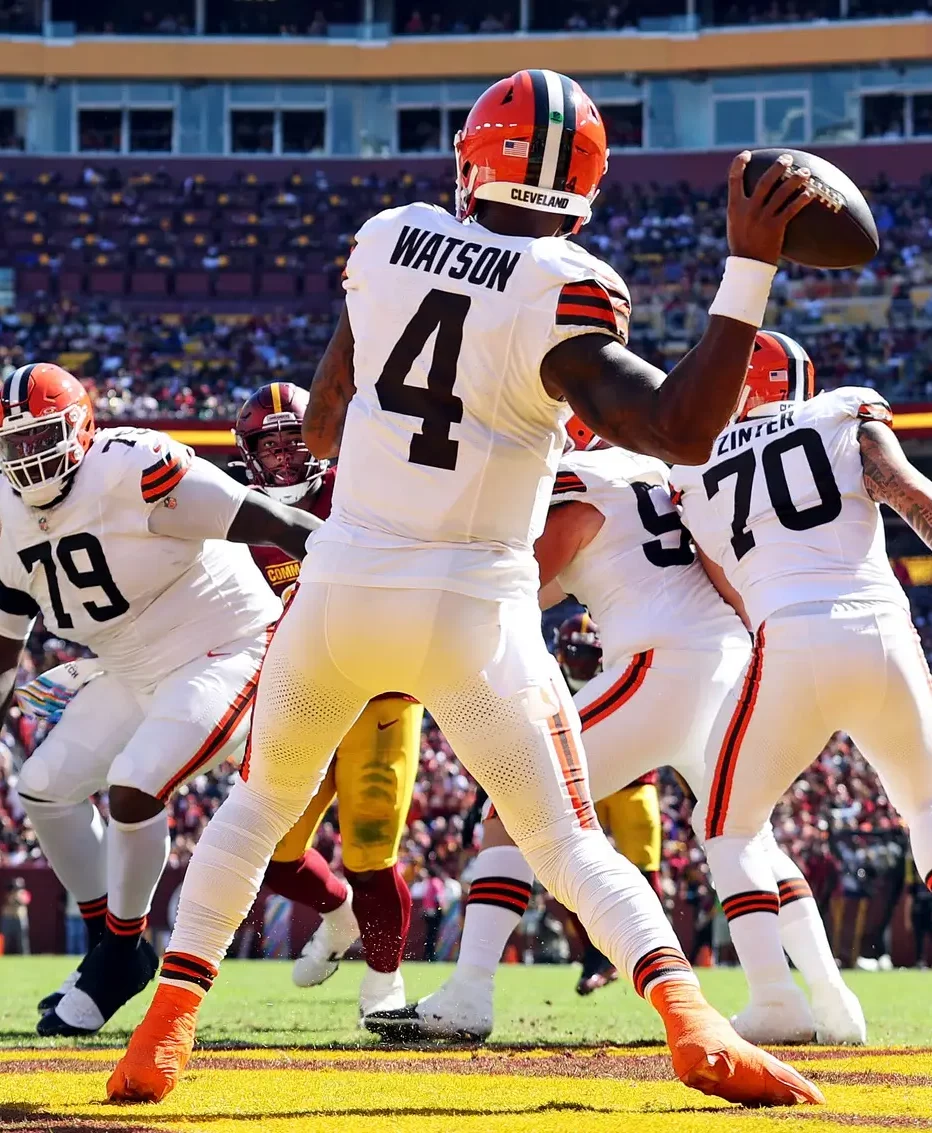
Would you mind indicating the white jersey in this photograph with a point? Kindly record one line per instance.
(782, 508)
(639, 576)
(451, 442)
(145, 603)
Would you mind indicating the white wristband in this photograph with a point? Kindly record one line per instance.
(744, 290)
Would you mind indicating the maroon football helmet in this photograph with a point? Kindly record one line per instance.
(579, 650)
(268, 435)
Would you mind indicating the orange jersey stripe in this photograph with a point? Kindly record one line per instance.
(727, 761)
(240, 706)
(159, 491)
(156, 471)
(568, 482)
(620, 692)
(568, 311)
(570, 763)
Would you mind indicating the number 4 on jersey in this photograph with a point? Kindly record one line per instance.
(437, 405)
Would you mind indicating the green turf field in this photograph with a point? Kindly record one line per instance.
(255, 1004)
(276, 1059)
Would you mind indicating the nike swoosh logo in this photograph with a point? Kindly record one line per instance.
(382, 727)
(212, 653)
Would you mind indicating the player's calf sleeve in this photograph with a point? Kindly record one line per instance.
(622, 915)
(73, 839)
(227, 868)
(309, 880)
(499, 893)
(136, 857)
(382, 906)
(746, 887)
(802, 932)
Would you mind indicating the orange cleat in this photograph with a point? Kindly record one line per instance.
(159, 1048)
(710, 1056)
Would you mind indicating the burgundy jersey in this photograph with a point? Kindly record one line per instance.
(279, 568)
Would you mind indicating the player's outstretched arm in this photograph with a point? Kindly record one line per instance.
(261, 521)
(206, 503)
(331, 392)
(677, 418)
(891, 479)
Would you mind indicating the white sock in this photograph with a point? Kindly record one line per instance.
(498, 897)
(620, 911)
(137, 854)
(73, 839)
(748, 892)
(802, 932)
(227, 868)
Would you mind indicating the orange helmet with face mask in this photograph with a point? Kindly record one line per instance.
(780, 374)
(535, 140)
(581, 438)
(46, 427)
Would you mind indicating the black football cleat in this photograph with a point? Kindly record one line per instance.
(586, 985)
(433, 1019)
(53, 999)
(111, 975)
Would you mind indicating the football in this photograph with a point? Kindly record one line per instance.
(837, 230)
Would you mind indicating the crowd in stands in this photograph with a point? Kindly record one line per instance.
(194, 250)
(295, 18)
(427, 17)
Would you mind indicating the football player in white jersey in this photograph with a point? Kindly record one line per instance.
(672, 651)
(449, 378)
(115, 537)
(785, 514)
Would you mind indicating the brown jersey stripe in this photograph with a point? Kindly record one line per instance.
(568, 483)
(588, 319)
(158, 492)
(240, 707)
(620, 692)
(585, 300)
(728, 755)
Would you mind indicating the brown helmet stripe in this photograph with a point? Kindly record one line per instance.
(565, 156)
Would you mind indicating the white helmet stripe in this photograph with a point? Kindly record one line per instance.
(798, 359)
(19, 384)
(555, 116)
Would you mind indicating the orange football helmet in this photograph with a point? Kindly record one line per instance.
(780, 374)
(581, 438)
(46, 427)
(535, 140)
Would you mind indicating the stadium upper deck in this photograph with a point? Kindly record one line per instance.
(351, 78)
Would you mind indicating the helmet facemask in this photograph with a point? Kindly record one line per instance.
(280, 464)
(38, 454)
